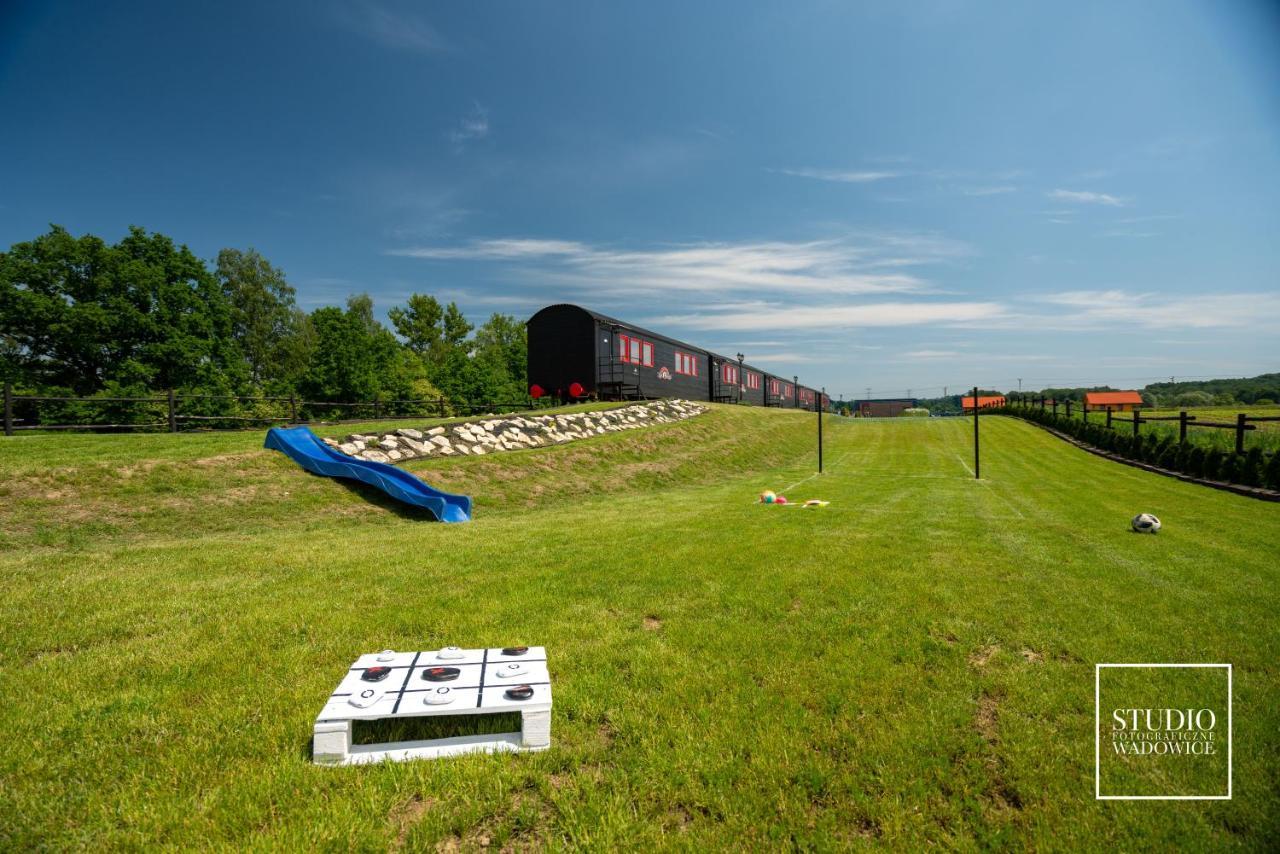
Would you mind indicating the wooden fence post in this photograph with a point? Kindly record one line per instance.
(173, 413)
(293, 409)
(1055, 407)
(1240, 422)
(1182, 426)
(377, 409)
(1068, 407)
(1136, 422)
(8, 409)
(440, 406)
(1108, 417)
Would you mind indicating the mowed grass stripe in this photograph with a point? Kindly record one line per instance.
(911, 665)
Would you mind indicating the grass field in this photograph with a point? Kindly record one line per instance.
(911, 666)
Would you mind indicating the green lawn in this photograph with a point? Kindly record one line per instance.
(911, 666)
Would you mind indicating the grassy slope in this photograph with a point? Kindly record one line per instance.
(912, 665)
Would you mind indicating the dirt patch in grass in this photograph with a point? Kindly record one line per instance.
(984, 654)
(1032, 657)
(652, 623)
(999, 795)
(405, 815)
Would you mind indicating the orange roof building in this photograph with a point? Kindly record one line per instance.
(984, 401)
(1116, 401)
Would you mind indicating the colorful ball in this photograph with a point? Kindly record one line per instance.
(767, 497)
(781, 499)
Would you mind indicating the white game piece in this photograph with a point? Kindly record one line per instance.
(439, 697)
(387, 655)
(515, 668)
(365, 698)
(450, 652)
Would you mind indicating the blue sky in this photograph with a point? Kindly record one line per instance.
(886, 195)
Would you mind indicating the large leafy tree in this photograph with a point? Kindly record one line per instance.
(82, 315)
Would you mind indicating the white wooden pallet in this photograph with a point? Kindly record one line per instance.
(480, 689)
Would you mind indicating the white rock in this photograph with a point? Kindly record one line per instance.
(440, 441)
(436, 431)
(410, 433)
(375, 457)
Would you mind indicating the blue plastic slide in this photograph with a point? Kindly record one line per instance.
(305, 448)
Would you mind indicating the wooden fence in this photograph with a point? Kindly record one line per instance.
(291, 410)
(1242, 424)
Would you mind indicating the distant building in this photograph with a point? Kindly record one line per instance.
(883, 407)
(1116, 401)
(985, 401)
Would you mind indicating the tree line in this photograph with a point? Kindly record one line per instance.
(82, 317)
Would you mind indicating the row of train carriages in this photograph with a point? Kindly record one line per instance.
(579, 354)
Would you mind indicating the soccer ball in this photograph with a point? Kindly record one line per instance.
(1145, 523)
(767, 497)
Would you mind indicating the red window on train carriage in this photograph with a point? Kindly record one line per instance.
(686, 364)
(775, 388)
(729, 374)
(633, 351)
(753, 381)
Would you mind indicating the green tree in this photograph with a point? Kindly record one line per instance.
(79, 314)
(270, 330)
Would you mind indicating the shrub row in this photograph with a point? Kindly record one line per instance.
(1254, 468)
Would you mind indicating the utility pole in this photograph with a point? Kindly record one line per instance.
(977, 470)
(819, 408)
(1019, 385)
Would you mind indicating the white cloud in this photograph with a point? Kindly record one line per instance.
(1087, 197)
(1120, 310)
(839, 315)
(840, 176)
(474, 125)
(393, 28)
(990, 191)
(845, 266)
(931, 354)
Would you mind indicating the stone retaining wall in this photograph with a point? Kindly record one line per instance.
(510, 433)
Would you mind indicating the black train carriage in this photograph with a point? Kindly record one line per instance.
(577, 353)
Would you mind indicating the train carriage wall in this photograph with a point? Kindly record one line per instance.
(577, 353)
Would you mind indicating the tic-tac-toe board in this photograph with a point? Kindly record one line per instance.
(449, 681)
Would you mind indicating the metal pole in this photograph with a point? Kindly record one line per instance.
(8, 409)
(173, 413)
(819, 408)
(1240, 422)
(977, 470)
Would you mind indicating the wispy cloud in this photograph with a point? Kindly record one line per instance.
(989, 191)
(473, 126)
(931, 354)
(1087, 197)
(838, 316)
(391, 27)
(840, 266)
(839, 175)
(1116, 309)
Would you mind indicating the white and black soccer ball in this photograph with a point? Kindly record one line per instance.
(1145, 523)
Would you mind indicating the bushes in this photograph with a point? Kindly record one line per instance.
(1255, 468)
